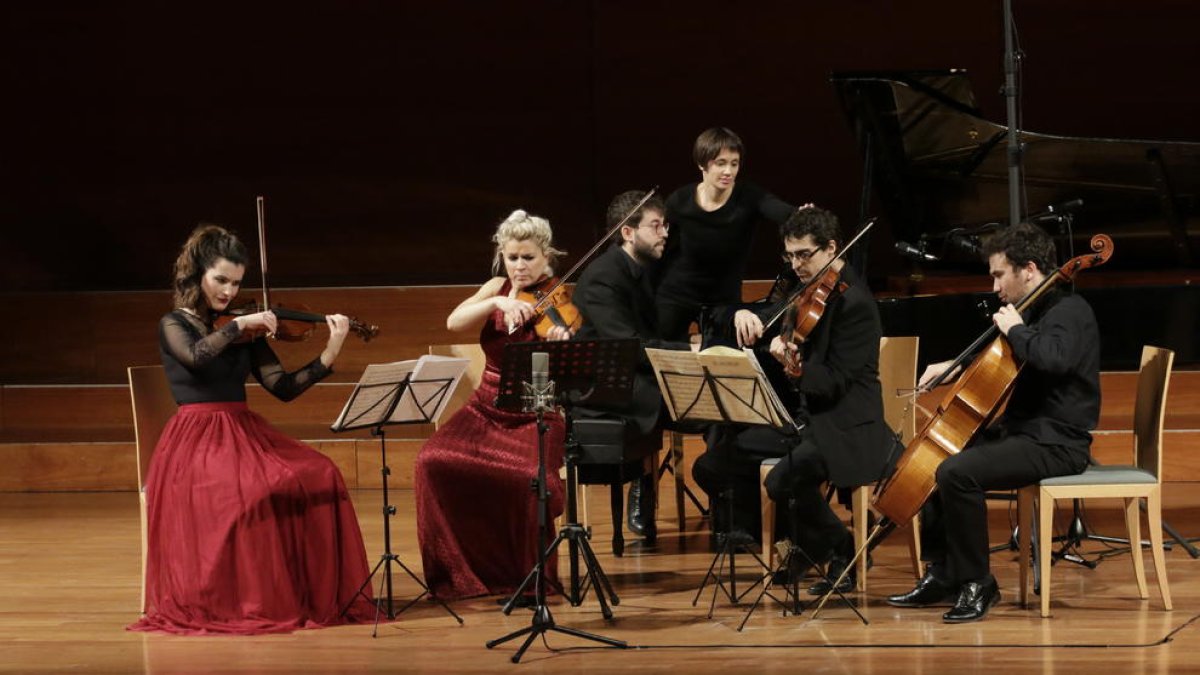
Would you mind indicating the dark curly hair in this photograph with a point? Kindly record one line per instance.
(1023, 243)
(206, 245)
(622, 203)
(821, 224)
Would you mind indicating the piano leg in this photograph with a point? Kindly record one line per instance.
(617, 495)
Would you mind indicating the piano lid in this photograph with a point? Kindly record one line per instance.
(937, 164)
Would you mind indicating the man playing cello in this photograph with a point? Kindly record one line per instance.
(1044, 431)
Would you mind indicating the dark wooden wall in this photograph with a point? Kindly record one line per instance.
(390, 137)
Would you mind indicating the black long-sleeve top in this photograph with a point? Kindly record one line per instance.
(706, 253)
(207, 366)
(1056, 398)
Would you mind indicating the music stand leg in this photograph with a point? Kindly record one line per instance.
(388, 558)
(577, 539)
(727, 553)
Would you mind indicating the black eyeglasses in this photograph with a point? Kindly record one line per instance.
(660, 228)
(803, 255)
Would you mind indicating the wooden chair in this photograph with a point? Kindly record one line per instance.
(673, 462)
(1133, 483)
(897, 371)
(471, 379)
(153, 406)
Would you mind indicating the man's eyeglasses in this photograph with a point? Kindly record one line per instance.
(803, 255)
(659, 228)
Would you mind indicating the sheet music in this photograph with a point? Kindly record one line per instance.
(373, 393)
(744, 391)
(427, 380)
(777, 407)
(427, 385)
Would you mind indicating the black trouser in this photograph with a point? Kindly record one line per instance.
(797, 479)
(733, 459)
(954, 532)
(727, 466)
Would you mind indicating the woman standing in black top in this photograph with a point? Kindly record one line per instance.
(712, 227)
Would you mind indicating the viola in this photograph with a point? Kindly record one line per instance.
(806, 311)
(294, 324)
(551, 301)
(974, 400)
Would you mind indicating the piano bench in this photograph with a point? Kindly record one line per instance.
(611, 453)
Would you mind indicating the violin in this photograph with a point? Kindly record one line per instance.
(294, 325)
(551, 299)
(806, 310)
(552, 306)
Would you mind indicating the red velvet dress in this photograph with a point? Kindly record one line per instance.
(476, 515)
(249, 530)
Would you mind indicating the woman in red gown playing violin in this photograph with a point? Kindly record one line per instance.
(249, 531)
(476, 515)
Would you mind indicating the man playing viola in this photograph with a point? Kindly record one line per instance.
(836, 396)
(1044, 431)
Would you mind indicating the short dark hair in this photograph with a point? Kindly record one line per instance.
(820, 224)
(622, 203)
(712, 141)
(206, 245)
(1021, 244)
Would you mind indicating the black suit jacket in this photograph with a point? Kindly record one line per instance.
(616, 299)
(840, 387)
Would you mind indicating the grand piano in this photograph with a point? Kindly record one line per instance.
(939, 173)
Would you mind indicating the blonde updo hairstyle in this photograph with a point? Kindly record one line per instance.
(520, 226)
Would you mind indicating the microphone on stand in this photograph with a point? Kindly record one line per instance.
(967, 243)
(909, 251)
(540, 391)
(1056, 212)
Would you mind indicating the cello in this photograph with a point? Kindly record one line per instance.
(972, 403)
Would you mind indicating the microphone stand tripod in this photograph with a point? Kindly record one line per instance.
(543, 620)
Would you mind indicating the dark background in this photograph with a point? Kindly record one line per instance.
(391, 137)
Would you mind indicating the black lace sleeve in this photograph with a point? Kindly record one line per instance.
(185, 340)
(283, 385)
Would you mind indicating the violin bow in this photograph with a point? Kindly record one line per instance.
(549, 293)
(592, 251)
(795, 294)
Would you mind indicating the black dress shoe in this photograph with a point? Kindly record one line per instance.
(837, 565)
(929, 591)
(974, 601)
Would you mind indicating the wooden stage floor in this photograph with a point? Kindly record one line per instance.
(69, 584)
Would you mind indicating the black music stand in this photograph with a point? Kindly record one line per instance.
(371, 406)
(595, 371)
(719, 387)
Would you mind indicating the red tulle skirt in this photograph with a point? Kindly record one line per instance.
(249, 531)
(477, 519)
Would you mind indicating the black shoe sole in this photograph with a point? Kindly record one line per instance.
(948, 602)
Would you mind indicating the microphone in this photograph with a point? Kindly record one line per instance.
(909, 251)
(1056, 211)
(967, 243)
(539, 368)
(540, 391)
